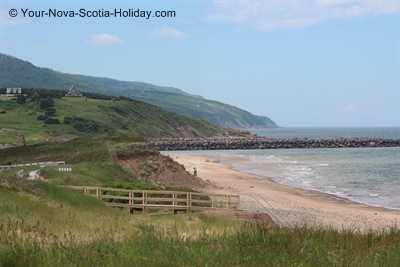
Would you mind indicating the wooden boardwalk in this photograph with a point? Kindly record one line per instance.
(144, 200)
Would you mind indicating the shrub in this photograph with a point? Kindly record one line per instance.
(21, 99)
(68, 120)
(41, 117)
(46, 103)
(82, 125)
(50, 111)
(52, 121)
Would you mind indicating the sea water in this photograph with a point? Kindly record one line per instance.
(331, 132)
(365, 175)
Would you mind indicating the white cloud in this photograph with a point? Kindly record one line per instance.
(38, 46)
(275, 15)
(104, 38)
(351, 108)
(167, 31)
(7, 21)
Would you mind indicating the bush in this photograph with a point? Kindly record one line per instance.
(52, 121)
(82, 125)
(46, 103)
(41, 117)
(50, 111)
(21, 99)
(68, 120)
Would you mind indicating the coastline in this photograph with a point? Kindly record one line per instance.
(288, 205)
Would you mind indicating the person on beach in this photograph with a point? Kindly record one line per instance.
(194, 171)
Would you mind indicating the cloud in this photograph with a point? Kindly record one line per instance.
(167, 31)
(104, 38)
(38, 46)
(274, 15)
(351, 108)
(7, 21)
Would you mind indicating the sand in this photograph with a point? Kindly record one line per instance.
(289, 206)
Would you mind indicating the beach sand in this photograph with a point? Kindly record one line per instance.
(289, 206)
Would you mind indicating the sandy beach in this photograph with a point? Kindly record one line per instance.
(287, 205)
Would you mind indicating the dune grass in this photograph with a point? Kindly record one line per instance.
(146, 244)
(42, 224)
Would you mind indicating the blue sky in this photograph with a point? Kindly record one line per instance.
(301, 63)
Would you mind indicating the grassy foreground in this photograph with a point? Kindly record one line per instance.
(42, 224)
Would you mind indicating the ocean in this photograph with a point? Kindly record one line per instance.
(331, 132)
(365, 175)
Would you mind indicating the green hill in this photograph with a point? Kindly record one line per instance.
(18, 73)
(123, 86)
(214, 111)
(80, 117)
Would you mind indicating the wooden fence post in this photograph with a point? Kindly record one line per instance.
(190, 201)
(144, 201)
(187, 202)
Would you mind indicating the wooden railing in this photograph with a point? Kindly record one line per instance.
(155, 199)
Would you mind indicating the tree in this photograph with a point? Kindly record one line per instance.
(35, 97)
(50, 111)
(21, 99)
(46, 103)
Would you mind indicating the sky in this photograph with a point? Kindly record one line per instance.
(301, 63)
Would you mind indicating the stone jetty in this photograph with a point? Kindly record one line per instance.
(221, 143)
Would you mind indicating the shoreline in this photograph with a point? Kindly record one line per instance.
(289, 205)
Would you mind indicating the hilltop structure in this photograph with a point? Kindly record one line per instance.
(73, 92)
(15, 90)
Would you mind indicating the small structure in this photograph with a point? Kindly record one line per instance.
(21, 140)
(14, 90)
(20, 174)
(73, 92)
(34, 175)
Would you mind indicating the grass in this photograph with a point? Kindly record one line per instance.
(148, 244)
(214, 111)
(113, 117)
(42, 224)
(94, 161)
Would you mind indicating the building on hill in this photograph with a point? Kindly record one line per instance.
(14, 90)
(73, 91)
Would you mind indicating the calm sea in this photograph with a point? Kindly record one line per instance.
(331, 132)
(366, 175)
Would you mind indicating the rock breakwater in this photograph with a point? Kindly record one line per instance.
(222, 143)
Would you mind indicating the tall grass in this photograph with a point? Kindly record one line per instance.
(45, 225)
(145, 244)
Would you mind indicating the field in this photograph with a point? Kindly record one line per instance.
(94, 117)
